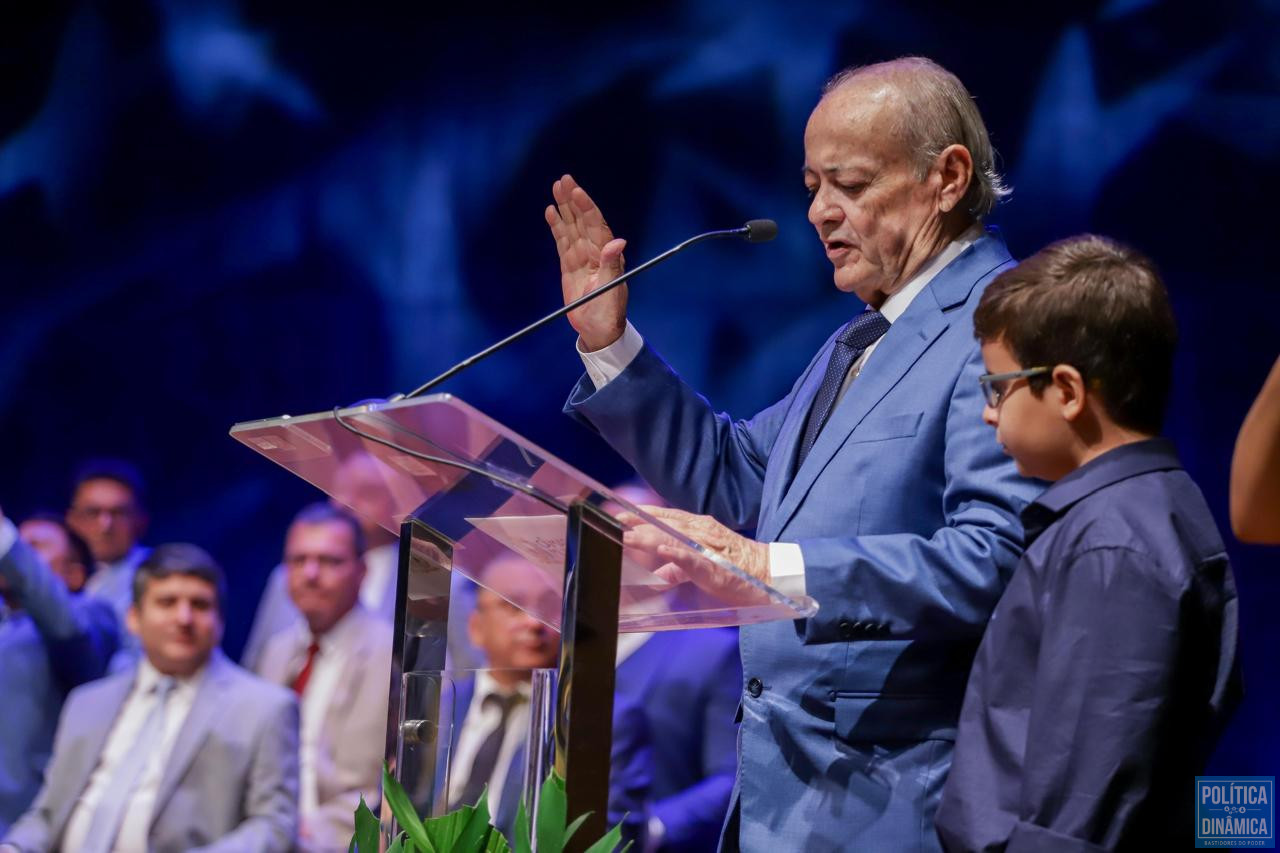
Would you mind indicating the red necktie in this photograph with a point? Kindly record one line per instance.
(304, 674)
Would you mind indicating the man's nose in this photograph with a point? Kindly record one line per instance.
(990, 415)
(185, 612)
(821, 209)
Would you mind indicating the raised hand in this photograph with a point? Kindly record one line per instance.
(589, 256)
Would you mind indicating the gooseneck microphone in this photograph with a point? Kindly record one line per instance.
(755, 231)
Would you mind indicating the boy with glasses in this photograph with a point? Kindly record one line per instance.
(1109, 666)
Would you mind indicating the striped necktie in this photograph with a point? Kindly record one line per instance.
(861, 332)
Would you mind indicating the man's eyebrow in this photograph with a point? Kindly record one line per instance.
(831, 170)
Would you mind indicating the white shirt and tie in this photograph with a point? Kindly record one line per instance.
(481, 720)
(786, 562)
(127, 736)
(322, 688)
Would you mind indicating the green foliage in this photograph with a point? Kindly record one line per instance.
(467, 830)
(366, 837)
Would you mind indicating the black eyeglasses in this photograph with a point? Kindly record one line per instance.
(996, 385)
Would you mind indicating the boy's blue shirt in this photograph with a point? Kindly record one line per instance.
(1107, 671)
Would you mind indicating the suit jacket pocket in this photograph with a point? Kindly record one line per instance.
(877, 718)
(886, 428)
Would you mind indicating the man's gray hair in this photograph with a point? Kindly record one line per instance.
(937, 111)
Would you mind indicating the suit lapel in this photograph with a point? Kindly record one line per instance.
(897, 351)
(907, 339)
(205, 708)
(96, 717)
(778, 472)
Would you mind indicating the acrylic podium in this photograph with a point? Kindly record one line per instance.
(467, 495)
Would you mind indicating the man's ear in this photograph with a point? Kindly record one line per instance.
(955, 169)
(131, 619)
(473, 630)
(1071, 391)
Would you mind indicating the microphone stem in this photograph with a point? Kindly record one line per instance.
(557, 314)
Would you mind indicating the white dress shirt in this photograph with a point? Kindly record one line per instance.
(786, 562)
(321, 690)
(480, 720)
(124, 733)
(380, 566)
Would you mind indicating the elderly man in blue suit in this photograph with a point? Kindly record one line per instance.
(870, 487)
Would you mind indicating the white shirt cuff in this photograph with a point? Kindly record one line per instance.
(786, 569)
(604, 365)
(8, 535)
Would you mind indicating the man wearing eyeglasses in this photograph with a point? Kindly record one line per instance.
(107, 511)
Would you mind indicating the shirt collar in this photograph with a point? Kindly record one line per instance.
(132, 559)
(336, 636)
(896, 304)
(1119, 463)
(148, 677)
(487, 686)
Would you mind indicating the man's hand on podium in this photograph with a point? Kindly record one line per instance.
(683, 564)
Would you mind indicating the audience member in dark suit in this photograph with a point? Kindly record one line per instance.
(338, 661)
(108, 510)
(51, 640)
(687, 682)
(492, 719)
(185, 752)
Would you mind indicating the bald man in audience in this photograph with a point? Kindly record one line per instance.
(338, 661)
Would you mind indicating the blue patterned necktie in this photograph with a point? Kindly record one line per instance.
(107, 817)
(861, 332)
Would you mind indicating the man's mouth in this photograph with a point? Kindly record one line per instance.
(837, 249)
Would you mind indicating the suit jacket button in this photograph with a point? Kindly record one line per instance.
(846, 630)
(755, 687)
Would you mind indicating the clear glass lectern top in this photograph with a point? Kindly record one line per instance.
(503, 503)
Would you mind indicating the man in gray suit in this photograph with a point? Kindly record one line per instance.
(338, 661)
(184, 752)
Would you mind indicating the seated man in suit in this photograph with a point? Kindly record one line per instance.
(63, 550)
(493, 710)
(50, 641)
(360, 487)
(107, 510)
(687, 683)
(338, 661)
(185, 751)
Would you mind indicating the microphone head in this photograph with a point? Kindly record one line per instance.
(761, 230)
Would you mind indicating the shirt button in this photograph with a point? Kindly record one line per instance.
(755, 687)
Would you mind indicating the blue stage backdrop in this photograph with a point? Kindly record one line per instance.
(218, 211)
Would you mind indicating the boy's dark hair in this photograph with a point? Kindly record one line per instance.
(180, 558)
(79, 548)
(105, 468)
(322, 512)
(1098, 306)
